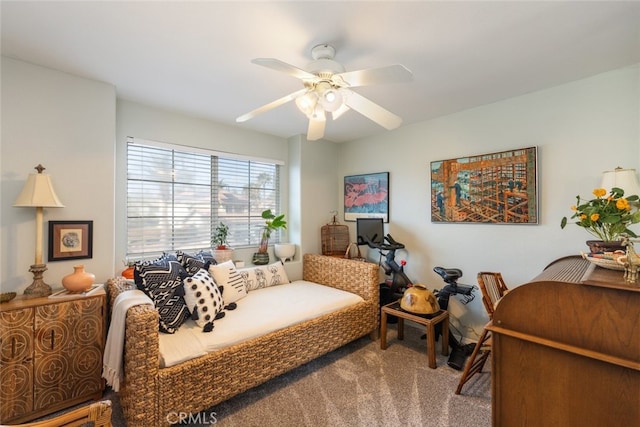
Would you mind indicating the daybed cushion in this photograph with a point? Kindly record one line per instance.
(260, 312)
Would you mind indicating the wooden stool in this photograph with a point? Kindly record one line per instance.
(429, 321)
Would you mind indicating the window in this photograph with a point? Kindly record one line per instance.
(177, 195)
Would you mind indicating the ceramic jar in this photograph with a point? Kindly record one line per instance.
(79, 280)
(418, 299)
(260, 258)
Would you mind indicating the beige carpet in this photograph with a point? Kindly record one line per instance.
(358, 385)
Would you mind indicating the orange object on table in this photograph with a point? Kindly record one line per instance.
(127, 273)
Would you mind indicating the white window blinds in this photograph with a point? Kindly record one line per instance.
(176, 196)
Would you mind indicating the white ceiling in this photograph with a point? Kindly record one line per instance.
(194, 57)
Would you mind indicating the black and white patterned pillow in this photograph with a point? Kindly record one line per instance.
(229, 280)
(264, 276)
(161, 260)
(163, 284)
(193, 263)
(208, 257)
(203, 299)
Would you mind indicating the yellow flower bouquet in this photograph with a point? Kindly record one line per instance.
(606, 217)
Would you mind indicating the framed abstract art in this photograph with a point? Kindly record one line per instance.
(366, 196)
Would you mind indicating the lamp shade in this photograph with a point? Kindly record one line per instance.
(38, 192)
(625, 179)
(307, 103)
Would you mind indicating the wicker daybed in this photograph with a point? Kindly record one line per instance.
(149, 394)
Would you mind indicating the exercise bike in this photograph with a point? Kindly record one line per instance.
(459, 352)
(393, 291)
(399, 280)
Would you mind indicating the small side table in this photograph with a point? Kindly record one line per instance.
(430, 321)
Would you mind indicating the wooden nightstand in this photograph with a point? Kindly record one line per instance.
(50, 354)
(429, 322)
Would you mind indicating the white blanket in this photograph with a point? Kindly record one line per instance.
(112, 366)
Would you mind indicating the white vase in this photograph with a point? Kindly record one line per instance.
(284, 251)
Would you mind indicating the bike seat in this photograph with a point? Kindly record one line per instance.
(449, 275)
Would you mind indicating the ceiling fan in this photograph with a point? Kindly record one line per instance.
(327, 89)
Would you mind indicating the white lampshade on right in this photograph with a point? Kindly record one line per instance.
(625, 179)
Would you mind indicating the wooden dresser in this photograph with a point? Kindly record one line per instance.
(566, 349)
(50, 354)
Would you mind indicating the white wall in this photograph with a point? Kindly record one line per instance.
(313, 178)
(66, 123)
(580, 129)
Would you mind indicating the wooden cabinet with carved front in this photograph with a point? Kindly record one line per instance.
(50, 354)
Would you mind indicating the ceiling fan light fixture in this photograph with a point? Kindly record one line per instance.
(307, 103)
(331, 99)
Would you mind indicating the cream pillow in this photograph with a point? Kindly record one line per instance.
(264, 276)
(232, 284)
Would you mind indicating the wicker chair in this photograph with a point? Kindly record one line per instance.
(97, 414)
(493, 289)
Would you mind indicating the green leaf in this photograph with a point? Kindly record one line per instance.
(563, 223)
(610, 219)
(267, 214)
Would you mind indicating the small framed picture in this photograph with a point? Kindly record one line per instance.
(70, 240)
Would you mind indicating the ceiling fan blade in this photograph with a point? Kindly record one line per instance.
(276, 64)
(335, 115)
(269, 106)
(372, 111)
(316, 127)
(390, 74)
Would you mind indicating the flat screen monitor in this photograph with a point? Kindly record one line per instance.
(370, 227)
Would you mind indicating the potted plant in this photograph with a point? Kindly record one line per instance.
(273, 223)
(219, 246)
(605, 217)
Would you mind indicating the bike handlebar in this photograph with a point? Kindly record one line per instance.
(391, 246)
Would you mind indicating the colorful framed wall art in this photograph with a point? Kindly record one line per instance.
(495, 188)
(366, 196)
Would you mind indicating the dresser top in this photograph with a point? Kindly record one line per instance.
(21, 301)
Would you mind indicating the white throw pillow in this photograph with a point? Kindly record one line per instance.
(203, 297)
(264, 276)
(232, 284)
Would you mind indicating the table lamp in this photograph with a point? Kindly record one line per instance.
(625, 179)
(38, 193)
